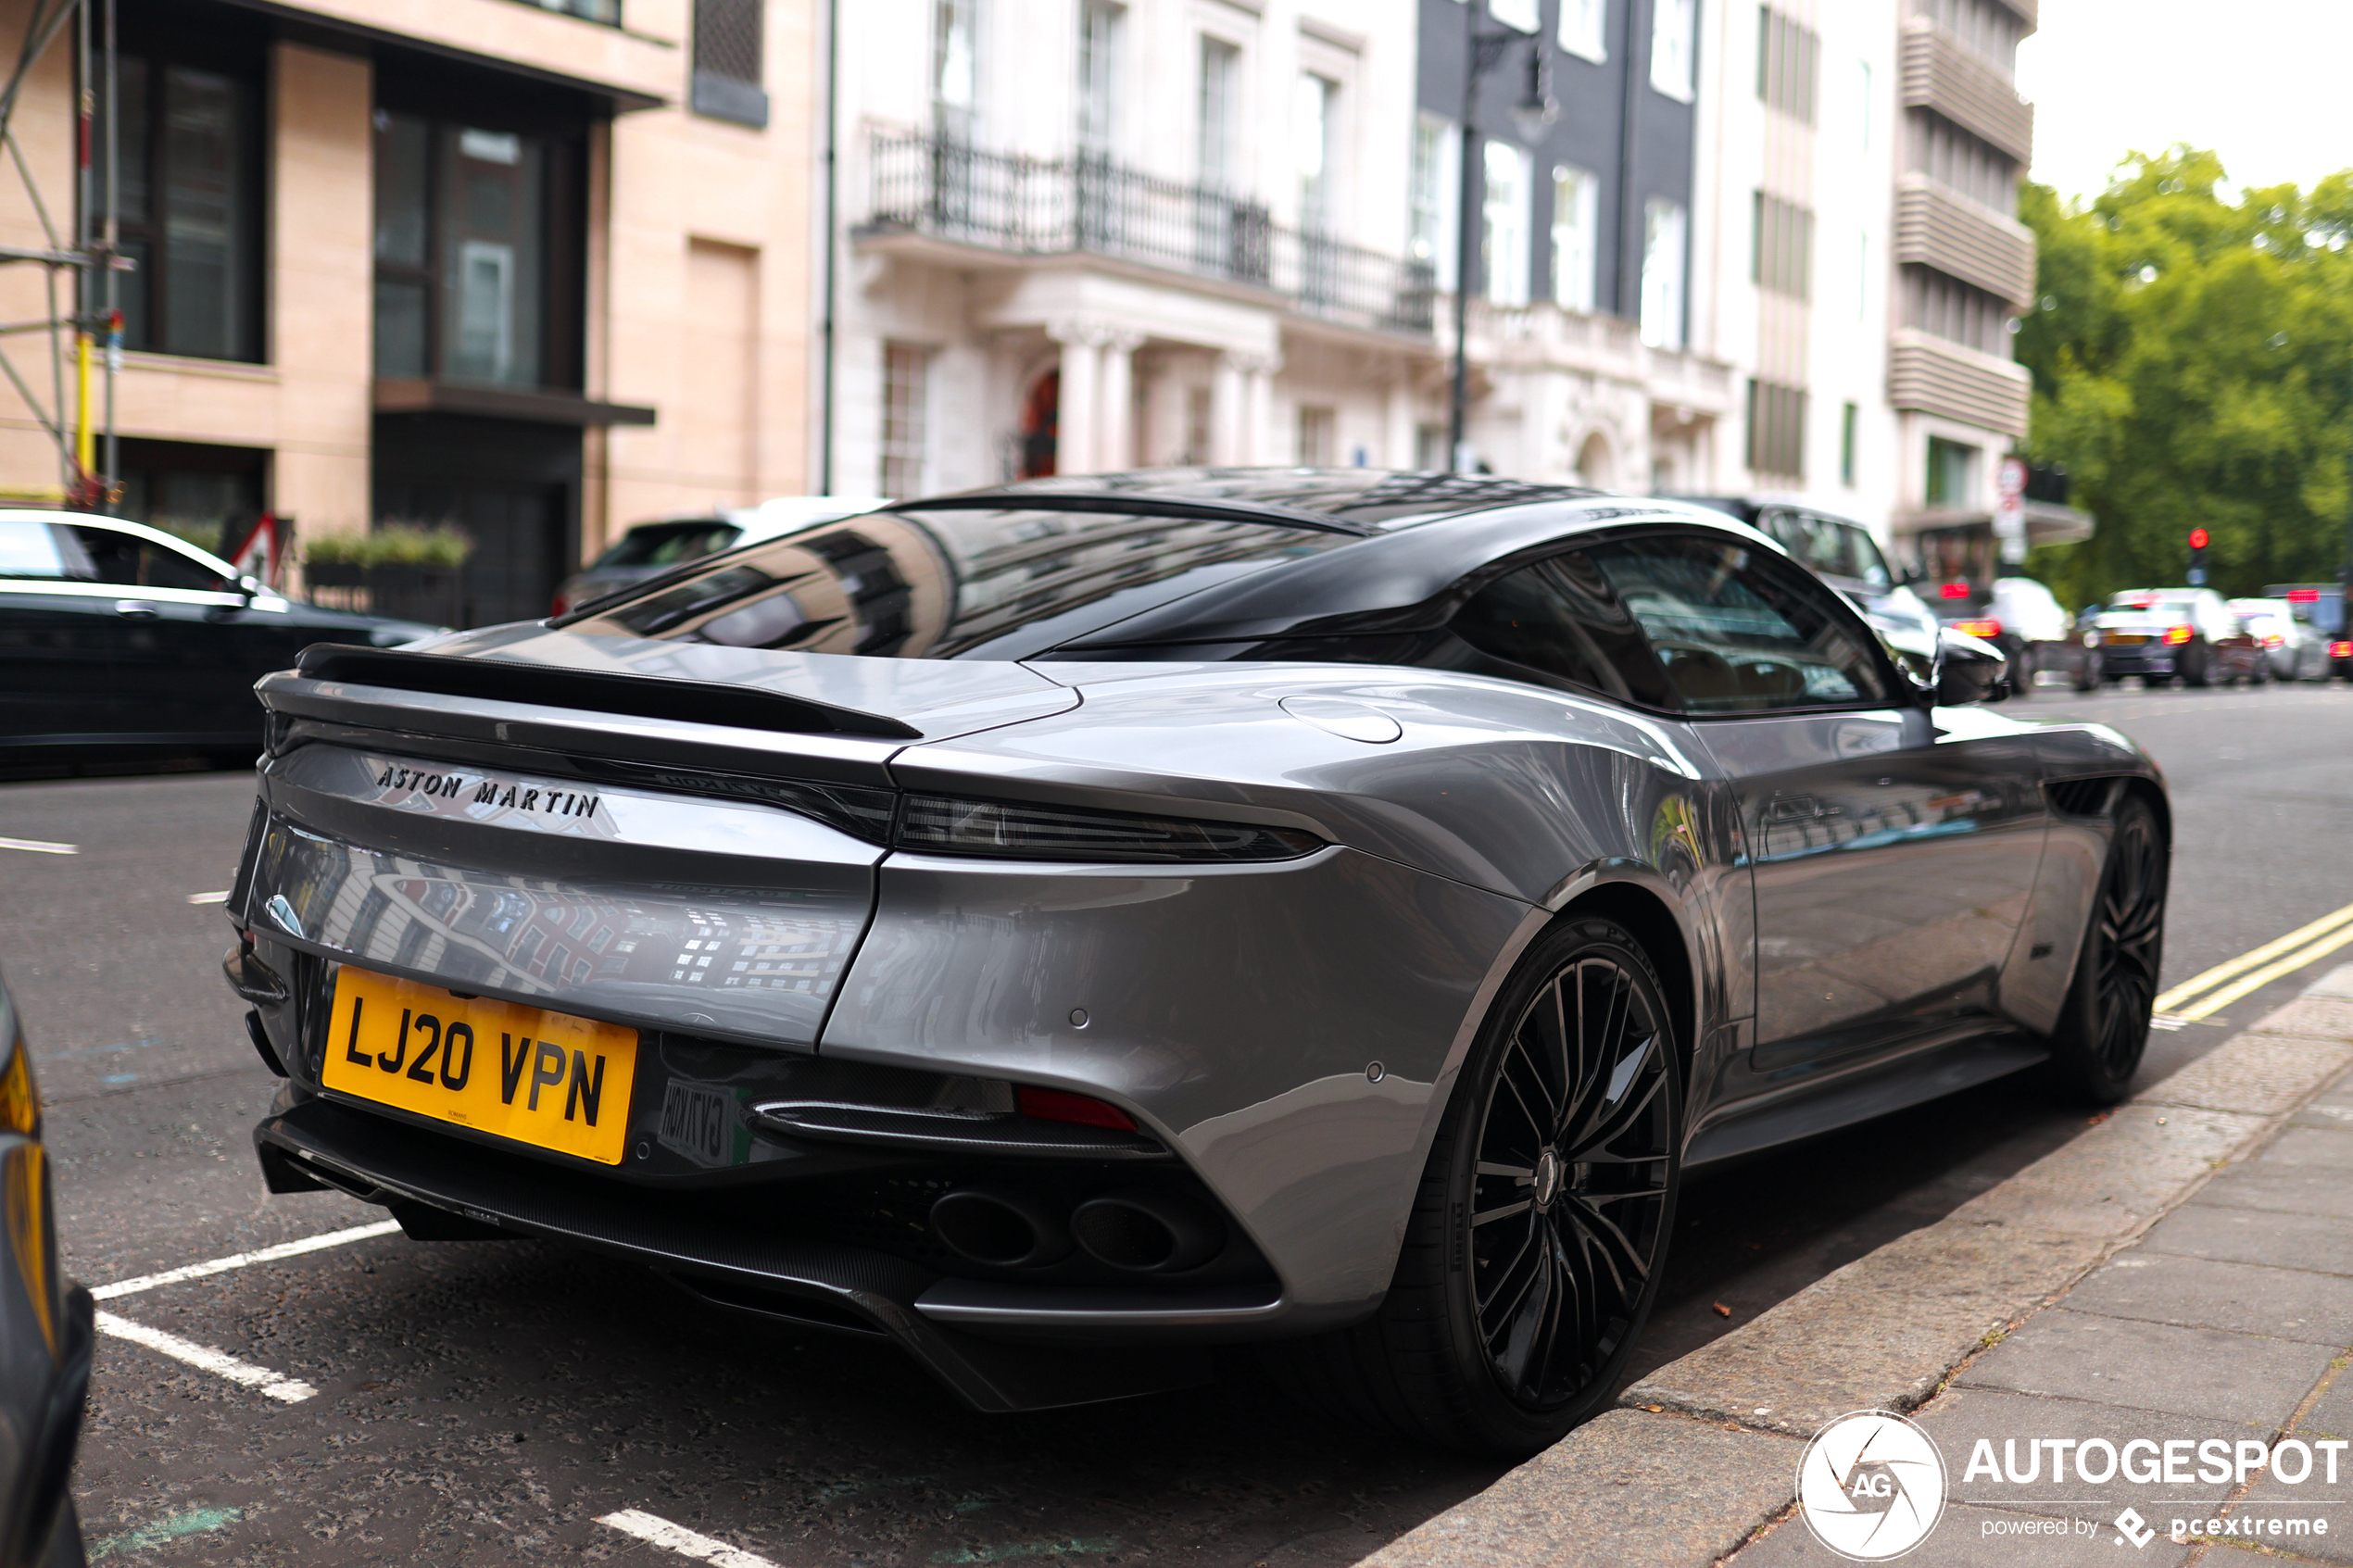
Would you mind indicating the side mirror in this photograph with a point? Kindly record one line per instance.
(1967, 671)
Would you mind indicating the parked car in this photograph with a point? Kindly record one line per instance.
(119, 641)
(2184, 634)
(2034, 633)
(2293, 648)
(1066, 927)
(648, 549)
(2321, 606)
(1838, 550)
(45, 1322)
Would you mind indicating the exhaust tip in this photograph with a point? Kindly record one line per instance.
(1143, 1233)
(999, 1230)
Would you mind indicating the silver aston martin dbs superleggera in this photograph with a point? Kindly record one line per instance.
(1074, 928)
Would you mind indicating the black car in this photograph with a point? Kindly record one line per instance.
(117, 640)
(44, 1333)
(1839, 551)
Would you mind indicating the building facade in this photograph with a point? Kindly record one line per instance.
(1083, 235)
(529, 269)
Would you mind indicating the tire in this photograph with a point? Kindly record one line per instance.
(1444, 1359)
(2197, 666)
(2103, 1024)
(2022, 674)
(2087, 675)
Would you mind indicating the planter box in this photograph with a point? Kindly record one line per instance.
(432, 594)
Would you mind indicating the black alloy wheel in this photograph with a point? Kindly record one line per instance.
(2197, 665)
(1540, 1230)
(2104, 1025)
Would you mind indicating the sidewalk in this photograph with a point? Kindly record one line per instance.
(2182, 1273)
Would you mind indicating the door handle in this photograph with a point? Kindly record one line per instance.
(1793, 808)
(136, 609)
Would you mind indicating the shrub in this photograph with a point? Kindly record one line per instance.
(395, 544)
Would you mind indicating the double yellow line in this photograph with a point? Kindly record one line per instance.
(2225, 984)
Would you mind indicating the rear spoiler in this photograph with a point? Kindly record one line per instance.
(595, 690)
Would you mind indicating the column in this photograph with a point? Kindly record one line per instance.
(1227, 413)
(1115, 407)
(1262, 442)
(1397, 425)
(1076, 425)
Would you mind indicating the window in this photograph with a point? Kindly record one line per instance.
(190, 212)
(1960, 162)
(1430, 198)
(1788, 61)
(1317, 429)
(1738, 631)
(906, 390)
(1664, 259)
(1952, 473)
(955, 67)
(1584, 29)
(1777, 428)
(206, 494)
(1213, 114)
(1863, 275)
(1311, 106)
(1849, 423)
(1520, 14)
(1560, 618)
(1781, 255)
(728, 61)
(124, 559)
(1674, 48)
(1958, 312)
(463, 287)
(1576, 223)
(1101, 30)
(1867, 120)
(1504, 243)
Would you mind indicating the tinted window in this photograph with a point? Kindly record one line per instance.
(30, 549)
(670, 543)
(1561, 618)
(1737, 631)
(127, 560)
(1830, 547)
(949, 582)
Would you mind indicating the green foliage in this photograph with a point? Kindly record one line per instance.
(396, 543)
(2192, 363)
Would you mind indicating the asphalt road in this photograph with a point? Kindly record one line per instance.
(486, 1402)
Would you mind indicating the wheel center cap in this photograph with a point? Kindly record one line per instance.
(1548, 1178)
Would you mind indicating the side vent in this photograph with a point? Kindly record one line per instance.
(2081, 798)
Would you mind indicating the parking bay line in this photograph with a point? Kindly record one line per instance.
(292, 1390)
(2170, 1000)
(241, 1260)
(656, 1531)
(39, 846)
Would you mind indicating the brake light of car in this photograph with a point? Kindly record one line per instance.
(2177, 634)
(1019, 830)
(1953, 590)
(1978, 628)
(2304, 596)
(2340, 650)
(1061, 1105)
(557, 605)
(2274, 640)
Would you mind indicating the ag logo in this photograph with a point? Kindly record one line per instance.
(1872, 1485)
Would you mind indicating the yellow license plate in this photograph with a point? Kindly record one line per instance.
(2127, 639)
(543, 1078)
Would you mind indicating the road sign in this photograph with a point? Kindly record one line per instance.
(2009, 510)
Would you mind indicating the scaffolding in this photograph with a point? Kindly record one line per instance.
(77, 414)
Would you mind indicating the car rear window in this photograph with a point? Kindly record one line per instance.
(670, 543)
(950, 583)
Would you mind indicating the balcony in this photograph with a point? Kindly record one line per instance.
(1939, 228)
(949, 190)
(1544, 338)
(1928, 373)
(1941, 74)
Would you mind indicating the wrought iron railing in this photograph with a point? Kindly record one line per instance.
(942, 185)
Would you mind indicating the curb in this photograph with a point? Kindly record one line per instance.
(1703, 1451)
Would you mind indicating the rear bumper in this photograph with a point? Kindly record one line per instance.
(442, 1186)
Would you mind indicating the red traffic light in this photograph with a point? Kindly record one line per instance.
(2197, 538)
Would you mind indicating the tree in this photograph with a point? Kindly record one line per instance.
(2192, 363)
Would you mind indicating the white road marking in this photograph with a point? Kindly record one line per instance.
(240, 1260)
(685, 1542)
(36, 846)
(292, 1390)
(219, 898)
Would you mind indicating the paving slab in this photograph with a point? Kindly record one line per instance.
(2315, 1017)
(1881, 1332)
(2311, 1189)
(1959, 1418)
(2151, 1366)
(1629, 1490)
(2332, 1417)
(2202, 1228)
(2118, 1177)
(1976, 1538)
(2242, 1298)
(2325, 1149)
(2261, 1074)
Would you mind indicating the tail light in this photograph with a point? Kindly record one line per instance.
(1978, 628)
(2274, 640)
(1953, 590)
(1061, 1105)
(1020, 831)
(557, 605)
(2177, 635)
(2340, 650)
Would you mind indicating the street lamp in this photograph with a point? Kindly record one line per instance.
(1534, 110)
